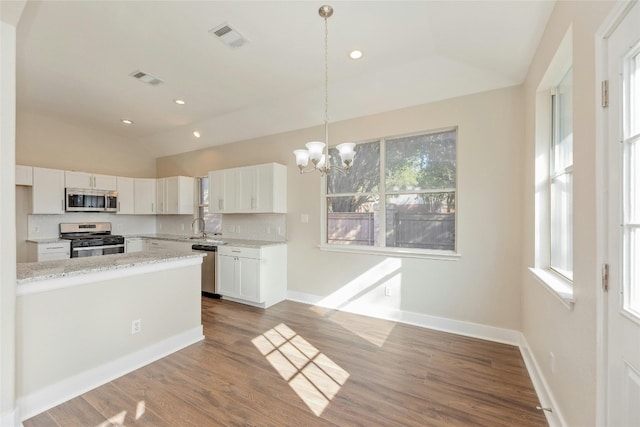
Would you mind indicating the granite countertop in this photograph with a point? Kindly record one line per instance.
(212, 240)
(48, 240)
(28, 272)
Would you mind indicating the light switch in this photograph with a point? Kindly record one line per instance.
(304, 218)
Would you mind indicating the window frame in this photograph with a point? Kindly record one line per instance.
(555, 174)
(382, 193)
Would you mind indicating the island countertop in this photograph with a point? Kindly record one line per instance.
(29, 272)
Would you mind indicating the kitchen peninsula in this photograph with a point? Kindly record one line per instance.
(83, 322)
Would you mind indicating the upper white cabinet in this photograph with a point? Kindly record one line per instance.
(126, 198)
(48, 191)
(24, 175)
(144, 190)
(175, 195)
(249, 189)
(75, 179)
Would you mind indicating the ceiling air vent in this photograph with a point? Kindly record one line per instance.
(229, 36)
(146, 78)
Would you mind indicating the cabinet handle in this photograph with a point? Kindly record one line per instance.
(62, 205)
(237, 252)
(54, 247)
(118, 206)
(152, 207)
(253, 203)
(220, 204)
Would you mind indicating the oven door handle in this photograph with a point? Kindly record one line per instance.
(93, 248)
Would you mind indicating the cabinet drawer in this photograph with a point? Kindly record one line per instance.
(239, 251)
(51, 248)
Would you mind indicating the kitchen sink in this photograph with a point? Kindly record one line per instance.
(207, 240)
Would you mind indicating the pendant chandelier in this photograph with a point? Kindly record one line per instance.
(317, 151)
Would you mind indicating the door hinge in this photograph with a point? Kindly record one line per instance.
(605, 277)
(605, 93)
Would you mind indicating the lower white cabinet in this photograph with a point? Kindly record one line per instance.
(50, 251)
(254, 276)
(168, 245)
(135, 244)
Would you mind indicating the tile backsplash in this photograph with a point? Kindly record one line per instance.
(269, 227)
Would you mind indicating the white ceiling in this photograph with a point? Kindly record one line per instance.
(75, 57)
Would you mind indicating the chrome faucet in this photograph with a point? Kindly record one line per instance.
(200, 222)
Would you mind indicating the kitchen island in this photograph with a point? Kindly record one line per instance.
(82, 322)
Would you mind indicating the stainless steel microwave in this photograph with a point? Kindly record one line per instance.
(85, 200)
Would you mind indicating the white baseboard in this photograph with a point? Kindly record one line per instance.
(475, 330)
(554, 418)
(55, 394)
(10, 419)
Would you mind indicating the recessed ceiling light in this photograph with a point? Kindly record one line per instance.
(196, 134)
(126, 121)
(355, 54)
(179, 101)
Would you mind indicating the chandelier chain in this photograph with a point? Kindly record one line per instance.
(326, 81)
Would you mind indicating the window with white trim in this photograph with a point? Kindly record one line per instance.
(561, 178)
(399, 193)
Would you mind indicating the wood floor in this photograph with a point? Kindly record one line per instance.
(297, 365)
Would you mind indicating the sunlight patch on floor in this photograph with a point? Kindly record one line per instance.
(140, 409)
(311, 374)
(372, 293)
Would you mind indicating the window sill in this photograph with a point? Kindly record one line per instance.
(559, 287)
(394, 252)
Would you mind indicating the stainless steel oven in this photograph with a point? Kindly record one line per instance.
(91, 239)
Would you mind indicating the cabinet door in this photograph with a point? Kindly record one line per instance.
(124, 186)
(75, 179)
(271, 188)
(144, 190)
(216, 190)
(226, 276)
(222, 191)
(246, 189)
(161, 195)
(186, 191)
(249, 278)
(104, 182)
(171, 195)
(24, 175)
(48, 191)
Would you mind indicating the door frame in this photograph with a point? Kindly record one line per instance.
(608, 26)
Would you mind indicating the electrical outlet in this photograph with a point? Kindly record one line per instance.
(182, 227)
(36, 229)
(268, 230)
(304, 218)
(552, 362)
(136, 326)
(387, 290)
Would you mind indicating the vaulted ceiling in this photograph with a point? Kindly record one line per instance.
(75, 59)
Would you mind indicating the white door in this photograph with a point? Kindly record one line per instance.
(623, 298)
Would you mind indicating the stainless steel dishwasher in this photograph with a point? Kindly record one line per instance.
(208, 270)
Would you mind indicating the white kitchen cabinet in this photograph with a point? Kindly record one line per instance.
(144, 190)
(24, 175)
(222, 191)
(254, 276)
(49, 251)
(74, 179)
(249, 189)
(126, 195)
(168, 245)
(48, 191)
(175, 195)
(135, 244)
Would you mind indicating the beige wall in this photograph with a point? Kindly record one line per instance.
(46, 141)
(548, 325)
(484, 285)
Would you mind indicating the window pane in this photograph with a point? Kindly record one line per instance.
(562, 225)
(632, 261)
(425, 221)
(634, 102)
(353, 220)
(421, 162)
(562, 140)
(364, 175)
